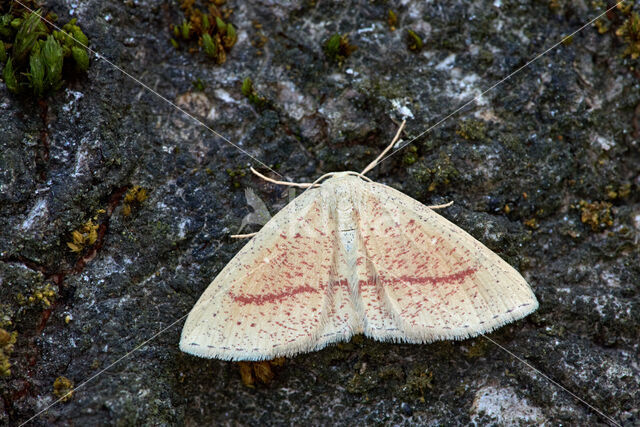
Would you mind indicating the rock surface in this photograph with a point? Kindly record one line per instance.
(518, 164)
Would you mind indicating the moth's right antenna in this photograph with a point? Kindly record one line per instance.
(393, 142)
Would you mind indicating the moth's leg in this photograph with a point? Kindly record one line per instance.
(243, 236)
(273, 181)
(446, 205)
(389, 147)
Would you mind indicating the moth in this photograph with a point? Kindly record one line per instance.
(351, 256)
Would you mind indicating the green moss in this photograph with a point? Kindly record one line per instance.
(199, 85)
(235, 175)
(205, 27)
(37, 54)
(629, 31)
(9, 76)
(250, 93)
(410, 155)
(209, 46)
(80, 57)
(392, 20)
(3, 52)
(337, 48)
(414, 41)
(30, 30)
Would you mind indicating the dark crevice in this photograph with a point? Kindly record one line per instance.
(42, 151)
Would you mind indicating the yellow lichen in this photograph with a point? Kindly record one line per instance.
(618, 193)
(83, 237)
(44, 295)
(133, 199)
(7, 340)
(597, 215)
(602, 25)
(63, 388)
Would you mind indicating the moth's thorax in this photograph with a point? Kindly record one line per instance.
(341, 188)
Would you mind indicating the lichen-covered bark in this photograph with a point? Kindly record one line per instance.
(544, 171)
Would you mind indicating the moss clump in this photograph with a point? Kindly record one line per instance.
(83, 237)
(206, 29)
(414, 41)
(45, 295)
(630, 33)
(7, 340)
(250, 93)
(474, 130)
(392, 20)
(63, 388)
(133, 199)
(36, 58)
(338, 48)
(597, 215)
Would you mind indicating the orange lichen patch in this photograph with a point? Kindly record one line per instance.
(133, 199)
(63, 388)
(83, 237)
(597, 214)
(7, 340)
(532, 223)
